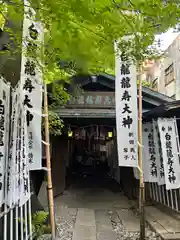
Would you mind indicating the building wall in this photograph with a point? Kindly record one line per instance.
(156, 73)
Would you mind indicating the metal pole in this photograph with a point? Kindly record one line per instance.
(141, 182)
(48, 163)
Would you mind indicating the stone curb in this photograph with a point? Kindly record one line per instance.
(165, 236)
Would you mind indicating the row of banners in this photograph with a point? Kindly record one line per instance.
(161, 162)
(20, 128)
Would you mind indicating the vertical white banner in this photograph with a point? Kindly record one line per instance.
(170, 152)
(31, 85)
(126, 110)
(159, 157)
(149, 154)
(24, 188)
(4, 134)
(12, 167)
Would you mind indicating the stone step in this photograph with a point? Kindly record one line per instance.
(165, 225)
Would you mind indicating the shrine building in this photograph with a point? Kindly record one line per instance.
(88, 145)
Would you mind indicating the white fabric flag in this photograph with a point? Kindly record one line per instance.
(159, 157)
(126, 110)
(4, 134)
(12, 167)
(170, 143)
(31, 85)
(25, 181)
(149, 154)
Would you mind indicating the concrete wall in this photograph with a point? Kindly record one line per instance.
(172, 56)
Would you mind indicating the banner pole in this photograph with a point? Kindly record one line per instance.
(141, 182)
(48, 164)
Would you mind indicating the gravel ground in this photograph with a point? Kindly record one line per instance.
(65, 226)
(121, 232)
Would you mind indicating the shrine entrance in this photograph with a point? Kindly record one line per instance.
(90, 149)
(87, 149)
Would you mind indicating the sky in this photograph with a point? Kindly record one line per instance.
(166, 39)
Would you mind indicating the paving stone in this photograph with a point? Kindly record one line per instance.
(106, 234)
(64, 212)
(129, 220)
(169, 223)
(84, 233)
(103, 226)
(170, 236)
(155, 226)
(85, 217)
(102, 219)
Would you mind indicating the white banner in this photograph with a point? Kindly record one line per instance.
(170, 151)
(126, 110)
(12, 167)
(31, 85)
(24, 174)
(4, 134)
(159, 157)
(18, 172)
(149, 154)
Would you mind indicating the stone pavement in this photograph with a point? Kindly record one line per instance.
(95, 214)
(165, 225)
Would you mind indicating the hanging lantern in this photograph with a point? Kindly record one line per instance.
(110, 134)
(70, 133)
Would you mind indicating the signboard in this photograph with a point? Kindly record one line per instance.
(150, 168)
(4, 133)
(126, 111)
(12, 161)
(31, 85)
(170, 152)
(159, 157)
(93, 100)
(18, 191)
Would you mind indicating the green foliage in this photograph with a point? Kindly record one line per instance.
(82, 33)
(144, 84)
(39, 226)
(55, 123)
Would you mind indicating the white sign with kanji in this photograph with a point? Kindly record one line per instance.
(126, 110)
(150, 168)
(170, 151)
(31, 85)
(4, 134)
(159, 157)
(12, 171)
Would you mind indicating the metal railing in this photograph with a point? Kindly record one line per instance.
(169, 198)
(16, 222)
(159, 193)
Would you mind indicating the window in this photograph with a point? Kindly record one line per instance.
(169, 74)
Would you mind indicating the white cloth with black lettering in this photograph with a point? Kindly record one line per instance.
(170, 151)
(126, 110)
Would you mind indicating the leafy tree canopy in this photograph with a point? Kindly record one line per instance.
(81, 33)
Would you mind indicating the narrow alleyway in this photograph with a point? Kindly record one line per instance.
(88, 211)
